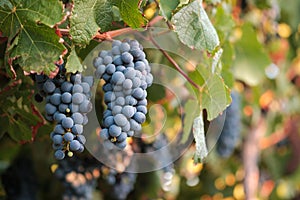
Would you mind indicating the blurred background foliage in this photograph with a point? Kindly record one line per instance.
(261, 61)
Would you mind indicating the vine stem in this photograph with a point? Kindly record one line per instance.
(111, 34)
(251, 153)
(174, 63)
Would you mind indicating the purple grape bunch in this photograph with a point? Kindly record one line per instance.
(127, 75)
(67, 104)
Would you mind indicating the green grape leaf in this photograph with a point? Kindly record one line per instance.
(38, 48)
(194, 28)
(167, 7)
(15, 14)
(130, 12)
(104, 15)
(215, 96)
(73, 63)
(198, 132)
(191, 109)
(83, 25)
(35, 46)
(251, 58)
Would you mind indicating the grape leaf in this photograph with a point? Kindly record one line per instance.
(130, 13)
(104, 15)
(73, 64)
(191, 109)
(83, 25)
(35, 45)
(215, 96)
(38, 48)
(194, 28)
(167, 7)
(251, 59)
(198, 131)
(15, 13)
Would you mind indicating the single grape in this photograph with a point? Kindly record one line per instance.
(68, 137)
(139, 65)
(134, 125)
(142, 102)
(126, 57)
(126, 127)
(59, 154)
(103, 53)
(107, 87)
(142, 109)
(117, 78)
(97, 62)
(124, 47)
(59, 129)
(120, 68)
(57, 139)
(122, 137)
(66, 87)
(77, 88)
(129, 73)
(136, 82)
(81, 139)
(76, 78)
(66, 97)
(49, 86)
(77, 118)
(104, 134)
(116, 50)
(110, 69)
(100, 71)
(50, 109)
(77, 98)
(139, 117)
(86, 106)
(77, 129)
(63, 108)
(75, 145)
(116, 110)
(67, 123)
(107, 113)
(55, 99)
(120, 119)
(128, 111)
(109, 97)
(116, 43)
(108, 121)
(86, 87)
(127, 84)
(114, 130)
(117, 60)
(129, 100)
(107, 60)
(58, 117)
(120, 101)
(138, 93)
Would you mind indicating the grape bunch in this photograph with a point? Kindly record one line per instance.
(67, 103)
(126, 73)
(122, 183)
(231, 129)
(78, 176)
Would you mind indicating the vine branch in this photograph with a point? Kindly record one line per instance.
(174, 63)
